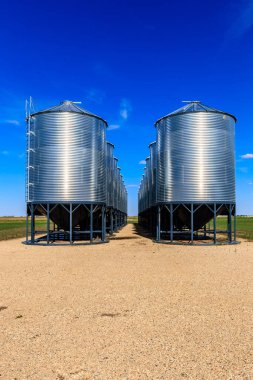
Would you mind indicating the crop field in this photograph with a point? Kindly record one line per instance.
(244, 226)
(15, 227)
(132, 219)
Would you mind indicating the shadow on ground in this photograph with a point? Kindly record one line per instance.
(139, 230)
(116, 237)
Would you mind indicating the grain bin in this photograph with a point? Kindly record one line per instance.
(110, 172)
(195, 172)
(148, 181)
(153, 160)
(195, 152)
(66, 156)
(115, 183)
(116, 211)
(67, 172)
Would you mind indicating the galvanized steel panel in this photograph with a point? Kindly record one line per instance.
(195, 157)
(110, 173)
(66, 157)
(153, 159)
(115, 183)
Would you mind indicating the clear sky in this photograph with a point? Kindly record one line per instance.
(130, 62)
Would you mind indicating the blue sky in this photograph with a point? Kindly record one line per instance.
(131, 62)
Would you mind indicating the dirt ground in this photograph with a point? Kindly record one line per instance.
(130, 309)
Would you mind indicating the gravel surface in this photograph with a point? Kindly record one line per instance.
(130, 309)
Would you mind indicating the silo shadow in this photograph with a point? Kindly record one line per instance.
(141, 231)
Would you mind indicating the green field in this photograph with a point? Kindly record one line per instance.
(132, 219)
(11, 227)
(244, 226)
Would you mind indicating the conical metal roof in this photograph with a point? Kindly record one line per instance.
(108, 142)
(194, 106)
(153, 142)
(68, 106)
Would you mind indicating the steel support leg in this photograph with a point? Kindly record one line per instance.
(116, 221)
(70, 223)
(214, 224)
(103, 223)
(205, 231)
(91, 223)
(230, 224)
(171, 223)
(158, 227)
(32, 224)
(27, 226)
(192, 224)
(234, 222)
(48, 223)
(111, 221)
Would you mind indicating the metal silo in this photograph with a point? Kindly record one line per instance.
(145, 189)
(118, 197)
(109, 169)
(192, 176)
(149, 179)
(195, 168)
(125, 205)
(110, 187)
(115, 183)
(195, 148)
(145, 201)
(121, 193)
(118, 214)
(148, 217)
(153, 159)
(66, 157)
(66, 171)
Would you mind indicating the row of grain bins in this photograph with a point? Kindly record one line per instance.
(72, 177)
(189, 178)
